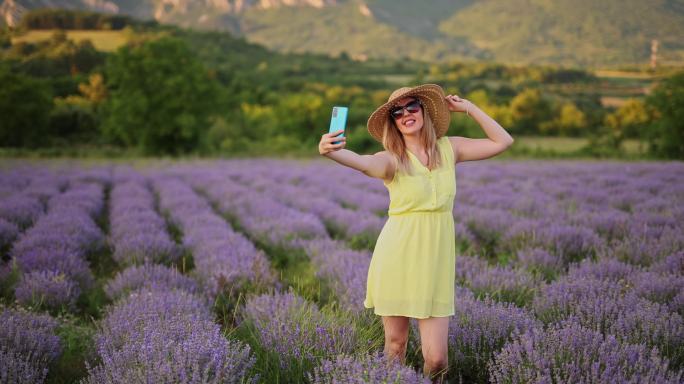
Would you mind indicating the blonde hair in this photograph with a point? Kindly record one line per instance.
(393, 142)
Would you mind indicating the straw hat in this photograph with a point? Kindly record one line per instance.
(431, 96)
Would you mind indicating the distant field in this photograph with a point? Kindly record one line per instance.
(102, 40)
(570, 144)
(623, 74)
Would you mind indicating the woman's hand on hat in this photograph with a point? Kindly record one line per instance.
(457, 104)
(326, 145)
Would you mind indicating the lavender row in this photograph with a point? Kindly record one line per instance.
(263, 217)
(52, 254)
(333, 183)
(347, 222)
(22, 201)
(344, 268)
(28, 345)
(568, 352)
(333, 260)
(163, 333)
(137, 232)
(632, 304)
(223, 259)
(500, 342)
(501, 283)
(159, 329)
(573, 210)
(321, 346)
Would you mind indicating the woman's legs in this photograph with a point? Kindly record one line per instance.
(434, 332)
(396, 336)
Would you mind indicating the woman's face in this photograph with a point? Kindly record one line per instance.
(408, 123)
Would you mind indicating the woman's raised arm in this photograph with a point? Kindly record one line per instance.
(378, 165)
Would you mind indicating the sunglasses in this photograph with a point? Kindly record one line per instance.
(412, 107)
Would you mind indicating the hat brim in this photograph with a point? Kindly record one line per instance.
(431, 96)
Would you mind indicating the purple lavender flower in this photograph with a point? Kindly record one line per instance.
(224, 260)
(611, 307)
(603, 269)
(295, 331)
(30, 334)
(60, 260)
(138, 233)
(346, 269)
(8, 232)
(28, 345)
(537, 259)
(144, 247)
(646, 245)
(18, 368)
(166, 336)
(148, 276)
(88, 197)
(660, 288)
(372, 368)
(262, 216)
(21, 210)
(47, 289)
(502, 283)
(487, 225)
(673, 263)
(570, 243)
(127, 318)
(65, 229)
(481, 328)
(570, 353)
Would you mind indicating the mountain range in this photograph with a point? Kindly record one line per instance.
(582, 33)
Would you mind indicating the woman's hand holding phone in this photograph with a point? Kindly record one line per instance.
(326, 145)
(338, 123)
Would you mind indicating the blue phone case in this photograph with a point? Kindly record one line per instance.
(338, 120)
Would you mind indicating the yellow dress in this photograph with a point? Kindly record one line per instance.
(412, 270)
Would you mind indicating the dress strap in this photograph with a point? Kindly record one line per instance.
(447, 150)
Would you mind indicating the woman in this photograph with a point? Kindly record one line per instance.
(411, 273)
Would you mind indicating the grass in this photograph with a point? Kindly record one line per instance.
(107, 41)
(567, 145)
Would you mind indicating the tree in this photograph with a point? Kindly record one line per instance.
(528, 110)
(5, 38)
(95, 90)
(25, 104)
(666, 137)
(161, 97)
(570, 121)
(628, 120)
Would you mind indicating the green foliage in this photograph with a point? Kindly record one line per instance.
(529, 109)
(57, 56)
(77, 342)
(279, 104)
(5, 38)
(48, 18)
(666, 138)
(569, 121)
(630, 120)
(161, 97)
(72, 120)
(24, 123)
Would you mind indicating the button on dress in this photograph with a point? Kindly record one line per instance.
(412, 270)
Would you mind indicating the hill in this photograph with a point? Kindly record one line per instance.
(579, 32)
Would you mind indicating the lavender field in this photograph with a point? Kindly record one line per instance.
(254, 271)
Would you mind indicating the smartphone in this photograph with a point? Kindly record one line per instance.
(338, 121)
